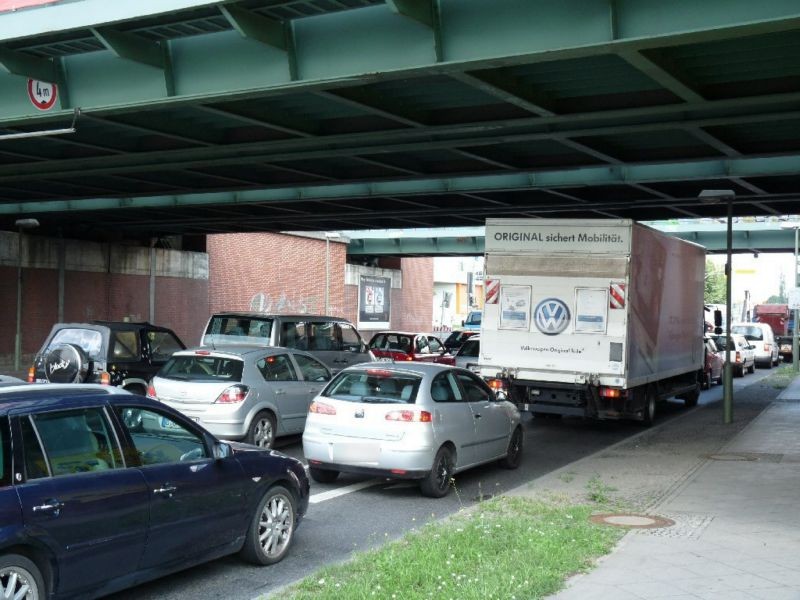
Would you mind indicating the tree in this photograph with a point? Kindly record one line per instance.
(715, 285)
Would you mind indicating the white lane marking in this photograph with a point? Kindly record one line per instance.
(342, 491)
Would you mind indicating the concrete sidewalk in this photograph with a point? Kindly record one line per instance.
(733, 492)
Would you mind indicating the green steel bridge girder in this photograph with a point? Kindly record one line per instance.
(749, 238)
(403, 38)
(697, 170)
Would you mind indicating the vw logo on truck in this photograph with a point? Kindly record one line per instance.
(551, 316)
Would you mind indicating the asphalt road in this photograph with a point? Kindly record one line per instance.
(356, 513)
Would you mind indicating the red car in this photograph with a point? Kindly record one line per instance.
(405, 346)
(714, 364)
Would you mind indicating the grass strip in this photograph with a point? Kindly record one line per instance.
(507, 547)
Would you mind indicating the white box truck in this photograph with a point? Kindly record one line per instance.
(593, 318)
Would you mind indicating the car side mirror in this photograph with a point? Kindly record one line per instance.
(222, 450)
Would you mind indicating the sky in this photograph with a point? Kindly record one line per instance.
(760, 276)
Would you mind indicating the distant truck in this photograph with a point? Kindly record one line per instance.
(473, 321)
(598, 319)
(779, 317)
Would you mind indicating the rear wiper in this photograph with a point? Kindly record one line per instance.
(377, 400)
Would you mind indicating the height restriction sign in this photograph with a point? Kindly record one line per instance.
(43, 95)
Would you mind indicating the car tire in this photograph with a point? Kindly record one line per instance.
(323, 475)
(739, 371)
(752, 368)
(437, 482)
(17, 572)
(513, 456)
(261, 432)
(271, 530)
(705, 383)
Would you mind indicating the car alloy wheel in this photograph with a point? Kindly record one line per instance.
(20, 579)
(276, 524)
(262, 431)
(271, 528)
(437, 483)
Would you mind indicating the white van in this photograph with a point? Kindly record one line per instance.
(332, 340)
(761, 336)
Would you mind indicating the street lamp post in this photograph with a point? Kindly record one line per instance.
(796, 227)
(22, 225)
(713, 197)
(328, 237)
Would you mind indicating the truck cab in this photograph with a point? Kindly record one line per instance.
(473, 321)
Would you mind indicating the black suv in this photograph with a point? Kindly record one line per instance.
(115, 353)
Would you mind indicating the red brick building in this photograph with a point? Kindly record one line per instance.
(67, 280)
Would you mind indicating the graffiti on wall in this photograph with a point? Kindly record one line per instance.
(282, 304)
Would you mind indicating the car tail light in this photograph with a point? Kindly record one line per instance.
(151, 392)
(202, 353)
(380, 372)
(320, 408)
(105, 378)
(233, 394)
(738, 357)
(409, 416)
(767, 348)
(446, 360)
(31, 375)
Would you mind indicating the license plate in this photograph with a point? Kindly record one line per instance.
(349, 452)
(41, 381)
(384, 359)
(167, 424)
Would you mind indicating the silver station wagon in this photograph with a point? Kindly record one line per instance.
(409, 420)
(245, 393)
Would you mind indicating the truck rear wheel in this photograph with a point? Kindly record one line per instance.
(649, 409)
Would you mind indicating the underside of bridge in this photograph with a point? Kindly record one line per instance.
(198, 117)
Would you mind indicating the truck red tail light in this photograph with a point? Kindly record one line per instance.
(151, 392)
(233, 394)
(607, 392)
(498, 385)
(320, 408)
(409, 416)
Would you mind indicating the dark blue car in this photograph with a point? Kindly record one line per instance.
(101, 490)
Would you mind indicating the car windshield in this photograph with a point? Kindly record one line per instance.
(228, 329)
(90, 340)
(382, 386)
(202, 368)
(749, 332)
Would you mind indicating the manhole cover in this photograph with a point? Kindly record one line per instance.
(632, 521)
(732, 457)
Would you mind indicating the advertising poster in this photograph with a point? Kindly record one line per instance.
(374, 294)
(515, 306)
(591, 310)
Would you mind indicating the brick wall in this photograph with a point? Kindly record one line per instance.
(275, 273)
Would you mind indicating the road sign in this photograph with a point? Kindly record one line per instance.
(793, 295)
(43, 95)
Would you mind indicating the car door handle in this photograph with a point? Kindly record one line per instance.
(52, 505)
(279, 392)
(478, 415)
(167, 489)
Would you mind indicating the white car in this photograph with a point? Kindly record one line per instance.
(743, 355)
(762, 337)
(409, 420)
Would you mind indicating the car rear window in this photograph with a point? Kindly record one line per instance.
(238, 330)
(90, 340)
(749, 332)
(382, 386)
(202, 368)
(391, 341)
(470, 348)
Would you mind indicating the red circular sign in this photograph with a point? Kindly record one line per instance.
(43, 95)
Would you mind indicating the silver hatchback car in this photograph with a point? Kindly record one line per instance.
(242, 392)
(409, 420)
